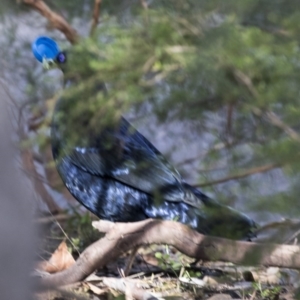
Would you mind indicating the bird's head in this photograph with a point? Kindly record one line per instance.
(46, 51)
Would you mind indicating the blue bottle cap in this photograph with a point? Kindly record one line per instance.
(45, 48)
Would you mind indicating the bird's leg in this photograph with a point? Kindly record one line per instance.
(131, 260)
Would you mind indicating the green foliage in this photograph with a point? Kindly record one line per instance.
(191, 63)
(267, 292)
(79, 229)
(194, 61)
(168, 261)
(210, 64)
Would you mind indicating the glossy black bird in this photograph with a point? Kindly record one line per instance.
(117, 174)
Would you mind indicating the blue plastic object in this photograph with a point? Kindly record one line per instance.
(45, 48)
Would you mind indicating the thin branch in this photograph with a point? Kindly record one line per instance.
(244, 174)
(56, 20)
(144, 4)
(96, 14)
(216, 147)
(213, 169)
(130, 261)
(193, 29)
(121, 237)
(52, 219)
(245, 80)
(277, 224)
(160, 76)
(271, 29)
(275, 120)
(230, 110)
(29, 166)
(28, 161)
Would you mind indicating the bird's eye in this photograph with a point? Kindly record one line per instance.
(61, 57)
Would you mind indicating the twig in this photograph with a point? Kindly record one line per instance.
(122, 237)
(245, 80)
(50, 219)
(145, 7)
(36, 176)
(144, 4)
(193, 29)
(216, 147)
(28, 160)
(56, 20)
(271, 29)
(230, 110)
(131, 260)
(28, 164)
(271, 116)
(246, 173)
(292, 238)
(289, 223)
(96, 14)
(278, 224)
(159, 76)
(275, 120)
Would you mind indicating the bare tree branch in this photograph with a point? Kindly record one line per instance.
(244, 174)
(56, 20)
(122, 237)
(96, 14)
(39, 187)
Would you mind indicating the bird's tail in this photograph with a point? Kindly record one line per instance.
(220, 220)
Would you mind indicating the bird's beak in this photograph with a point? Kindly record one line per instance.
(49, 64)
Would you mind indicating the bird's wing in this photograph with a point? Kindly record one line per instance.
(131, 159)
(130, 163)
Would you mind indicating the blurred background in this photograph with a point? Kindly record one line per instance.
(213, 84)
